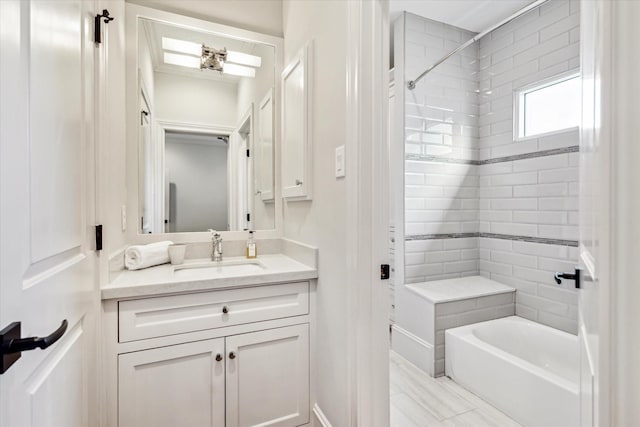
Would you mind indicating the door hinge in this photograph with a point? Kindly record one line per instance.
(384, 271)
(97, 35)
(99, 237)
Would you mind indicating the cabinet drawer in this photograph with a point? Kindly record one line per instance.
(176, 314)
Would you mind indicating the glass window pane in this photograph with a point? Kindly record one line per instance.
(552, 108)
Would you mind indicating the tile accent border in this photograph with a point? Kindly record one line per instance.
(542, 240)
(543, 153)
(441, 236)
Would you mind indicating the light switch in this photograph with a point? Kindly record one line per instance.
(123, 217)
(340, 162)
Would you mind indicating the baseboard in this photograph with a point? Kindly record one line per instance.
(413, 348)
(321, 419)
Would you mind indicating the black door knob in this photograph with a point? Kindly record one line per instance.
(12, 345)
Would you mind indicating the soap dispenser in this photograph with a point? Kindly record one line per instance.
(252, 250)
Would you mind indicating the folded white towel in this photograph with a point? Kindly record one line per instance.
(143, 256)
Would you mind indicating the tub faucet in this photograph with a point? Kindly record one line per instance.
(216, 250)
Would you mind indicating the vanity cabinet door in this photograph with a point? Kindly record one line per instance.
(180, 385)
(268, 378)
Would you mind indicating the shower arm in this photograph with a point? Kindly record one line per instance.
(412, 83)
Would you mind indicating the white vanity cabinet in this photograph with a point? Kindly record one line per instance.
(268, 377)
(231, 357)
(181, 385)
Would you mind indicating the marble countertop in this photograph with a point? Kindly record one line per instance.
(163, 279)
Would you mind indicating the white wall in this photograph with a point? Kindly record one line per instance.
(322, 221)
(263, 16)
(190, 100)
(253, 90)
(198, 172)
(146, 67)
(440, 124)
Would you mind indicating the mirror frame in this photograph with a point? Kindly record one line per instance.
(135, 12)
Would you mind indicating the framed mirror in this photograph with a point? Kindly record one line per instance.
(205, 124)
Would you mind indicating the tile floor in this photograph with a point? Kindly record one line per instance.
(417, 400)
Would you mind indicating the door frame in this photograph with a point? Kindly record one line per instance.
(610, 29)
(367, 214)
(159, 130)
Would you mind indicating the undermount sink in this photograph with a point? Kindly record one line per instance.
(218, 268)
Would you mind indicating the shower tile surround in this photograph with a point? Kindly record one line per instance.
(476, 201)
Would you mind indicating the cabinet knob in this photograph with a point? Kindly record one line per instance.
(232, 355)
(218, 357)
(298, 183)
(225, 309)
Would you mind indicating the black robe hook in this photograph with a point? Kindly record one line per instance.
(107, 19)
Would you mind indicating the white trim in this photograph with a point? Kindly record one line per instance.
(193, 127)
(320, 417)
(616, 155)
(132, 13)
(413, 348)
(238, 218)
(367, 211)
(161, 128)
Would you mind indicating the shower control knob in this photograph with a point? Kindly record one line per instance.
(232, 355)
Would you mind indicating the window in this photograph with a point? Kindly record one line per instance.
(547, 107)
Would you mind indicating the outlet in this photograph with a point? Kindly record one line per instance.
(123, 217)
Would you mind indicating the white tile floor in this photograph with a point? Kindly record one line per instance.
(417, 400)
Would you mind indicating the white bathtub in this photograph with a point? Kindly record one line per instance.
(527, 370)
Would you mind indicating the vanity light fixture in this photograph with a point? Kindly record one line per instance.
(182, 60)
(194, 55)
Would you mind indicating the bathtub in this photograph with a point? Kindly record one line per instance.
(527, 370)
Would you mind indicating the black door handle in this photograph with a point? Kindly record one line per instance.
(577, 276)
(12, 346)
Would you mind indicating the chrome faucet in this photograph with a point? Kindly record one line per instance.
(216, 250)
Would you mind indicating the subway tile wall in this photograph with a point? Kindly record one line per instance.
(458, 121)
(536, 197)
(441, 120)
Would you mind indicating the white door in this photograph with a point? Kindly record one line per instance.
(47, 204)
(180, 385)
(268, 378)
(588, 295)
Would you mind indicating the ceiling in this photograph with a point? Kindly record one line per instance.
(473, 15)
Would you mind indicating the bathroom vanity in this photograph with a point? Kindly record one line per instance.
(210, 344)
